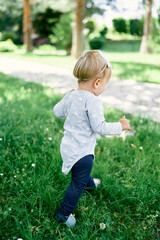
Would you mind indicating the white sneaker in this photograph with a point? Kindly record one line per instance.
(71, 221)
(97, 181)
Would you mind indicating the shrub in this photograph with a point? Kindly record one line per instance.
(91, 26)
(156, 30)
(103, 31)
(97, 39)
(8, 35)
(43, 22)
(7, 46)
(120, 25)
(11, 17)
(62, 33)
(136, 26)
(97, 43)
(156, 39)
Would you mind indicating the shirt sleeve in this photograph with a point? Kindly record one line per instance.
(60, 108)
(98, 124)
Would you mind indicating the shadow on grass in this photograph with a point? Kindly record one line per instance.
(45, 55)
(26, 107)
(122, 46)
(136, 70)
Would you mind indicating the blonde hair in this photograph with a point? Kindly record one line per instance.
(90, 65)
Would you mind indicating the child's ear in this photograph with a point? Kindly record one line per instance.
(96, 83)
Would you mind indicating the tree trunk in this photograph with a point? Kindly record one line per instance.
(27, 25)
(77, 29)
(147, 30)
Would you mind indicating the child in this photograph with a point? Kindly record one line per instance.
(84, 115)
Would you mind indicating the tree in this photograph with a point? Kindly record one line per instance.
(88, 8)
(83, 8)
(147, 29)
(77, 33)
(27, 25)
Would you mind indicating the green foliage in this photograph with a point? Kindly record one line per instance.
(120, 25)
(136, 26)
(7, 46)
(11, 19)
(90, 25)
(97, 43)
(8, 35)
(62, 33)
(98, 39)
(156, 30)
(32, 185)
(44, 21)
(103, 31)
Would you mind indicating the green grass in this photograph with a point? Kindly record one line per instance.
(127, 201)
(124, 55)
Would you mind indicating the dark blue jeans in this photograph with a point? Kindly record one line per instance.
(80, 180)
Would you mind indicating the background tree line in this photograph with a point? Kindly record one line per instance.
(62, 24)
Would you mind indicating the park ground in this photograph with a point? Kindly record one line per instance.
(127, 202)
(135, 78)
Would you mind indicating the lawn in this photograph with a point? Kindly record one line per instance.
(32, 184)
(124, 55)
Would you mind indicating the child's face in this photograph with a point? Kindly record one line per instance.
(100, 85)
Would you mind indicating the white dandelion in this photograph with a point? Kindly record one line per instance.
(1, 174)
(33, 164)
(141, 148)
(0, 139)
(102, 226)
(50, 139)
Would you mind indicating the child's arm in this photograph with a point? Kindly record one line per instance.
(59, 108)
(98, 124)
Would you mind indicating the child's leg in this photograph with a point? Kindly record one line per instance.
(80, 178)
(90, 183)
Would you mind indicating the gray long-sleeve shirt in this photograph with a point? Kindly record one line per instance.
(84, 120)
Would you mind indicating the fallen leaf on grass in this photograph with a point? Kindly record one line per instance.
(98, 150)
(83, 209)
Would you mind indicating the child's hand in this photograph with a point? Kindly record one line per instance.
(125, 124)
